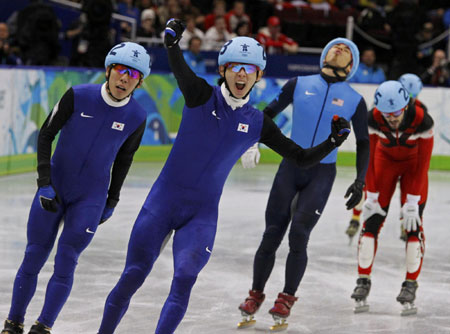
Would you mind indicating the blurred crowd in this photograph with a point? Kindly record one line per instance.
(32, 35)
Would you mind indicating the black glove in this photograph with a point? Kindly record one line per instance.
(107, 213)
(172, 33)
(356, 192)
(340, 129)
(48, 198)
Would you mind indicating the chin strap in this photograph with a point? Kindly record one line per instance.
(336, 69)
(231, 94)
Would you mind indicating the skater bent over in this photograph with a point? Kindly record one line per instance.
(218, 125)
(315, 99)
(100, 127)
(413, 85)
(401, 142)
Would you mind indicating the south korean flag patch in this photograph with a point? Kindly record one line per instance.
(242, 127)
(118, 126)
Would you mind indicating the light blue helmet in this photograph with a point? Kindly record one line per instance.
(391, 96)
(243, 50)
(353, 49)
(132, 55)
(412, 83)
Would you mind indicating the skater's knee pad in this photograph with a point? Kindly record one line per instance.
(373, 224)
(182, 283)
(366, 251)
(414, 254)
(65, 260)
(134, 276)
(35, 258)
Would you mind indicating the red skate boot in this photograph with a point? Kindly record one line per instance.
(281, 310)
(249, 307)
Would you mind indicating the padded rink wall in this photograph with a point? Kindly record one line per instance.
(27, 95)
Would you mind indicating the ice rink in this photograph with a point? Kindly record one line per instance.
(324, 304)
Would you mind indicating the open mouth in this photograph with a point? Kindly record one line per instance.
(240, 86)
(121, 88)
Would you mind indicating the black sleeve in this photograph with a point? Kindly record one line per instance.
(196, 91)
(122, 164)
(55, 121)
(284, 98)
(360, 127)
(305, 158)
(427, 123)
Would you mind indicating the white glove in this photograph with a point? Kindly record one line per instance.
(410, 212)
(251, 157)
(371, 206)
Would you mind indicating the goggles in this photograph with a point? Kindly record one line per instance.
(122, 69)
(395, 113)
(248, 68)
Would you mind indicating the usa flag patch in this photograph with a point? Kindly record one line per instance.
(242, 127)
(118, 126)
(338, 102)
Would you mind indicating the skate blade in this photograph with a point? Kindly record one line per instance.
(350, 241)
(408, 309)
(361, 309)
(246, 323)
(279, 327)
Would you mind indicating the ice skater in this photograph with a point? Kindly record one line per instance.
(401, 143)
(100, 127)
(315, 99)
(217, 127)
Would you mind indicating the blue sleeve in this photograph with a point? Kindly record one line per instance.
(284, 98)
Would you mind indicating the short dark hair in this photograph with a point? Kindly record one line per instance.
(192, 39)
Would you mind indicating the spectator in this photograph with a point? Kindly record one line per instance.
(219, 9)
(190, 31)
(188, 9)
(438, 74)
(7, 56)
(242, 29)
(425, 54)
(368, 71)
(273, 40)
(37, 34)
(217, 35)
(236, 15)
(147, 27)
(193, 57)
(127, 8)
(171, 9)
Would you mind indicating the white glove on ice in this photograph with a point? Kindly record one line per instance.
(371, 206)
(251, 157)
(410, 212)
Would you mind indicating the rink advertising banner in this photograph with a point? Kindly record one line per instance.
(28, 95)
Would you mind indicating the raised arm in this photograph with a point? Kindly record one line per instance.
(196, 91)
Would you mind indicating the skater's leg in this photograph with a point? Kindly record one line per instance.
(192, 247)
(311, 203)
(144, 247)
(80, 221)
(278, 216)
(41, 234)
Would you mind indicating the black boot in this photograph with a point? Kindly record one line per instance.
(12, 327)
(408, 292)
(39, 328)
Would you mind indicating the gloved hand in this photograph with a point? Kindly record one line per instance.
(172, 33)
(410, 212)
(251, 157)
(48, 198)
(371, 206)
(340, 129)
(356, 192)
(107, 213)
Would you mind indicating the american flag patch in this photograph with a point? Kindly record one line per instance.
(118, 126)
(338, 102)
(242, 127)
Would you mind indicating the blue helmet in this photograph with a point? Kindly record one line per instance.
(132, 55)
(353, 49)
(243, 50)
(391, 96)
(412, 83)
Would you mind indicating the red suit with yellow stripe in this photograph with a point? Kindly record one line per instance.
(397, 155)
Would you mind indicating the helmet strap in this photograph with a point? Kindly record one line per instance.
(228, 88)
(337, 69)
